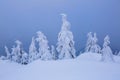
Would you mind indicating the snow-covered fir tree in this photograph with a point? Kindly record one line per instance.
(8, 53)
(44, 52)
(107, 54)
(32, 51)
(89, 42)
(24, 58)
(53, 52)
(92, 45)
(65, 45)
(18, 50)
(18, 54)
(95, 47)
(13, 54)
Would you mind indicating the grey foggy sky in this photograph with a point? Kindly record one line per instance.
(21, 19)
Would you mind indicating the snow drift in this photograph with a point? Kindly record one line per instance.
(85, 67)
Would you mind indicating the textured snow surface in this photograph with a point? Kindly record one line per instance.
(87, 66)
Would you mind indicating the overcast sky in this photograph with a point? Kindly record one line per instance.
(21, 19)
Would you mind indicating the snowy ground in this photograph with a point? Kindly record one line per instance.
(86, 67)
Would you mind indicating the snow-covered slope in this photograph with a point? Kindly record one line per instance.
(85, 67)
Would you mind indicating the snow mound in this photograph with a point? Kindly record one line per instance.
(85, 67)
(89, 57)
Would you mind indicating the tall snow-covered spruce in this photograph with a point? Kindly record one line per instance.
(92, 45)
(32, 51)
(44, 52)
(65, 45)
(107, 54)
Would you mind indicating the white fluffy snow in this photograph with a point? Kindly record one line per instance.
(87, 66)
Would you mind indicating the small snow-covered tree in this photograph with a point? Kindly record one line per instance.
(53, 52)
(24, 58)
(95, 47)
(92, 45)
(89, 42)
(32, 51)
(44, 52)
(65, 45)
(107, 54)
(13, 54)
(17, 52)
(8, 53)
